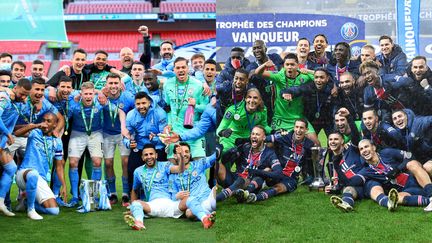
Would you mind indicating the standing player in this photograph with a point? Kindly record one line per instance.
(86, 133)
(117, 102)
(35, 170)
(286, 112)
(180, 92)
(9, 111)
(142, 125)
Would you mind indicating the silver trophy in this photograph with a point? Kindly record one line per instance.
(318, 167)
(93, 193)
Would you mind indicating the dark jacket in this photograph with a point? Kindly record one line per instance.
(393, 66)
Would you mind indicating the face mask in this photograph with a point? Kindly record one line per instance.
(236, 63)
(5, 66)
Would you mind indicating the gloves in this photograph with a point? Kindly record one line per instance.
(241, 141)
(225, 133)
(219, 149)
(393, 173)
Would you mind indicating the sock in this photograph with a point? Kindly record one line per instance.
(9, 170)
(96, 173)
(255, 184)
(224, 194)
(415, 200)
(348, 197)
(428, 190)
(31, 185)
(125, 185)
(111, 184)
(73, 178)
(41, 209)
(56, 184)
(212, 201)
(137, 211)
(196, 208)
(382, 200)
(7, 200)
(266, 194)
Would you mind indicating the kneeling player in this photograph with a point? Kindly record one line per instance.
(35, 170)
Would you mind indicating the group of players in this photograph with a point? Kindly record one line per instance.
(373, 108)
(84, 111)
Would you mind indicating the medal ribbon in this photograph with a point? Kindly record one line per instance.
(184, 188)
(87, 128)
(179, 106)
(49, 157)
(113, 112)
(147, 189)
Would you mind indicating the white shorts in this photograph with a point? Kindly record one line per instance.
(43, 191)
(109, 145)
(164, 208)
(209, 204)
(19, 145)
(80, 140)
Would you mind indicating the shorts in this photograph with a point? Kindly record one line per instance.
(43, 191)
(109, 145)
(164, 208)
(19, 145)
(368, 187)
(197, 148)
(80, 140)
(289, 183)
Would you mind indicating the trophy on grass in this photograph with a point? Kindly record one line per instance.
(318, 156)
(89, 194)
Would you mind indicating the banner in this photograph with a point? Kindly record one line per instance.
(38, 20)
(408, 21)
(285, 29)
(206, 47)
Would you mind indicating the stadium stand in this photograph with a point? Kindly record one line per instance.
(20, 47)
(187, 7)
(109, 8)
(181, 38)
(108, 41)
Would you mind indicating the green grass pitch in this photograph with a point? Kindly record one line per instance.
(106, 226)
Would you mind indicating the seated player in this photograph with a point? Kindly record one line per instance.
(201, 201)
(34, 173)
(296, 153)
(254, 156)
(152, 177)
(347, 164)
(383, 174)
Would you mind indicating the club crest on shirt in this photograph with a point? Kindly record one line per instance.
(190, 91)
(121, 105)
(228, 115)
(158, 175)
(194, 173)
(95, 110)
